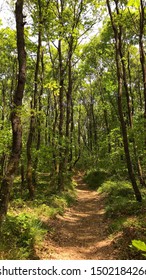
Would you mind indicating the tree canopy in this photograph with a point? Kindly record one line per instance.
(72, 94)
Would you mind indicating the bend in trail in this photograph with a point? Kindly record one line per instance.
(82, 232)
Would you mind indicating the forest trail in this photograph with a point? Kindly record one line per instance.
(82, 232)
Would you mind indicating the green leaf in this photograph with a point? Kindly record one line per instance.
(134, 3)
(140, 245)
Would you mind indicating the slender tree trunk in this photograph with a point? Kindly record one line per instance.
(33, 119)
(117, 33)
(94, 126)
(2, 158)
(106, 121)
(13, 80)
(8, 178)
(39, 123)
(130, 87)
(29, 170)
(130, 116)
(22, 177)
(137, 159)
(143, 59)
(54, 133)
(61, 120)
(69, 106)
(71, 135)
(79, 137)
(139, 93)
(69, 94)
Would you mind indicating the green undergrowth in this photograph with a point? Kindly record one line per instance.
(95, 178)
(124, 214)
(120, 200)
(26, 224)
(19, 234)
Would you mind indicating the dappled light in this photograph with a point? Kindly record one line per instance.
(82, 232)
(73, 129)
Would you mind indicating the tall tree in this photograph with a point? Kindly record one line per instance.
(34, 107)
(142, 11)
(117, 28)
(8, 178)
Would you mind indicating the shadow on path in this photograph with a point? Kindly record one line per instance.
(82, 233)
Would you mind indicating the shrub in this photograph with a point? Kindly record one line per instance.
(18, 236)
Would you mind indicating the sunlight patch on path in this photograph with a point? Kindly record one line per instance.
(82, 233)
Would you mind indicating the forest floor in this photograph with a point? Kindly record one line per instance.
(96, 220)
(82, 232)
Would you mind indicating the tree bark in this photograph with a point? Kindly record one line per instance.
(61, 120)
(39, 122)
(78, 144)
(143, 59)
(137, 159)
(106, 120)
(8, 178)
(33, 119)
(117, 34)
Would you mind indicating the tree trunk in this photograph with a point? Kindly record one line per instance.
(61, 118)
(33, 119)
(8, 178)
(29, 171)
(143, 59)
(69, 107)
(106, 120)
(78, 148)
(22, 178)
(130, 115)
(117, 34)
(39, 123)
(71, 136)
(137, 159)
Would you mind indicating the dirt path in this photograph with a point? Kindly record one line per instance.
(82, 233)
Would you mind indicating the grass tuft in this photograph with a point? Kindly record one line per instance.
(126, 217)
(26, 225)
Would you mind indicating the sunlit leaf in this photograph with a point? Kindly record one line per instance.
(140, 245)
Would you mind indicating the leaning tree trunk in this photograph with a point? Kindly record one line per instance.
(143, 59)
(8, 178)
(117, 34)
(131, 113)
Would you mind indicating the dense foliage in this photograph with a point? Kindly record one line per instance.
(82, 105)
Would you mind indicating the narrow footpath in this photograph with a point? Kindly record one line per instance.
(82, 232)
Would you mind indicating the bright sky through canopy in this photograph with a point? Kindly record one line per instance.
(6, 14)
